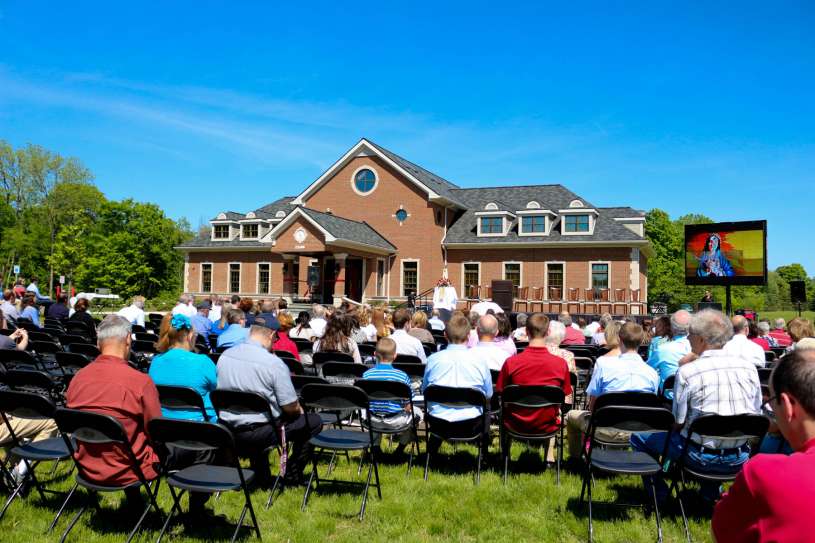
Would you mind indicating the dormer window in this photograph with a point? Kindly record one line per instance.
(249, 231)
(220, 231)
(492, 225)
(533, 224)
(576, 224)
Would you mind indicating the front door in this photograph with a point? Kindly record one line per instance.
(353, 279)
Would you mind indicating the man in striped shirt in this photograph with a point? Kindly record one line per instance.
(389, 415)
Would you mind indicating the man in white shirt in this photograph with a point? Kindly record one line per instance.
(134, 313)
(484, 305)
(9, 309)
(486, 350)
(435, 321)
(445, 300)
(317, 322)
(405, 343)
(183, 307)
(215, 308)
(741, 346)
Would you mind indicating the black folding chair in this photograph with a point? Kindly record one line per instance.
(29, 405)
(299, 381)
(769, 356)
(303, 345)
(668, 386)
(343, 372)
(531, 397)
(742, 428)
(89, 350)
(35, 381)
(85, 427)
(464, 431)
(284, 354)
(180, 398)
(144, 336)
(764, 375)
(67, 339)
(14, 359)
(408, 359)
(392, 391)
(41, 336)
(70, 363)
(203, 436)
(138, 329)
(366, 350)
(415, 372)
(320, 358)
(143, 347)
(79, 328)
(214, 357)
(625, 462)
(341, 398)
(242, 402)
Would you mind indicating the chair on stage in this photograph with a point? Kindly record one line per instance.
(555, 299)
(590, 305)
(522, 299)
(604, 301)
(620, 301)
(536, 299)
(573, 304)
(636, 302)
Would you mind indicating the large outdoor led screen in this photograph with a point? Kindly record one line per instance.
(726, 253)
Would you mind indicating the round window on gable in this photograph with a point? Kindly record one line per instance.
(364, 181)
(401, 215)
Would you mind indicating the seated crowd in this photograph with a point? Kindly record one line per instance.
(712, 362)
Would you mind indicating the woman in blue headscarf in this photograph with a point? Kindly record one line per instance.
(712, 262)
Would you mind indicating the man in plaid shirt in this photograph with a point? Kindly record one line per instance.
(716, 383)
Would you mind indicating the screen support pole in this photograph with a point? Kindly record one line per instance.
(728, 308)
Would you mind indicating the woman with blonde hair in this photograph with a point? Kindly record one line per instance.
(283, 342)
(177, 364)
(611, 334)
(379, 323)
(366, 325)
(418, 327)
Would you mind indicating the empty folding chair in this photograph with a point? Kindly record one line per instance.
(144, 336)
(38, 382)
(182, 401)
(318, 359)
(205, 478)
(471, 430)
(83, 428)
(625, 462)
(87, 349)
(14, 359)
(70, 363)
(284, 354)
(532, 397)
(67, 339)
(295, 367)
(343, 372)
(16, 405)
(366, 351)
(341, 398)
(137, 329)
(41, 336)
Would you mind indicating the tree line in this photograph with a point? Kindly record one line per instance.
(666, 271)
(55, 222)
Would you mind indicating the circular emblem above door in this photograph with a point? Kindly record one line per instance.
(300, 235)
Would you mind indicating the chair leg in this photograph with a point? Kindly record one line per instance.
(505, 452)
(656, 510)
(274, 488)
(176, 505)
(375, 462)
(251, 511)
(679, 492)
(72, 524)
(314, 477)
(365, 491)
(559, 455)
(141, 519)
(591, 525)
(478, 466)
(62, 508)
(426, 455)
(240, 524)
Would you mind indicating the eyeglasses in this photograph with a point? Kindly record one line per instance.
(767, 407)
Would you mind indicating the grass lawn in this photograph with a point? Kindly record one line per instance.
(786, 315)
(531, 507)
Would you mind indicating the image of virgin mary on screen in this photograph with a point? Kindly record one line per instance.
(712, 261)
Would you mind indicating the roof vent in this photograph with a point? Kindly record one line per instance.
(492, 206)
(576, 203)
(533, 205)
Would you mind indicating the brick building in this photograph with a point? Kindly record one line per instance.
(375, 226)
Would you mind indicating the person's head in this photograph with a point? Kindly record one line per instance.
(204, 307)
(630, 336)
(487, 328)
(302, 319)
(113, 336)
(236, 316)
(282, 304)
(435, 314)
(8, 295)
(419, 320)
(780, 324)
(62, 299)
(611, 332)
(605, 320)
(246, 305)
(138, 301)
(806, 344)
(286, 322)
(799, 328)
(318, 311)
(792, 396)
(712, 243)
(473, 318)
(267, 306)
(457, 329)
(581, 323)
(520, 319)
(662, 327)
(215, 300)
(235, 300)
(175, 332)
(753, 329)
(741, 326)
(401, 319)
(537, 326)
(364, 317)
(35, 280)
(680, 323)
(81, 305)
(386, 350)
(184, 299)
(564, 318)
(263, 335)
(557, 333)
(504, 325)
(336, 335)
(763, 328)
(709, 330)
(708, 294)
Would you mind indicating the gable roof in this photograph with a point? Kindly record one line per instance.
(230, 216)
(281, 204)
(349, 230)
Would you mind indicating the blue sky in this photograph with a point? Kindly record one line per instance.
(203, 107)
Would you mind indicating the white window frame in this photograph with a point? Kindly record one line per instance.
(607, 263)
(547, 224)
(257, 278)
(592, 214)
(229, 276)
(546, 277)
(211, 276)
(402, 275)
(228, 224)
(354, 180)
(506, 221)
(379, 285)
(247, 223)
(520, 271)
(463, 290)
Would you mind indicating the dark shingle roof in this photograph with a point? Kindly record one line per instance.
(552, 197)
(282, 204)
(437, 184)
(208, 242)
(348, 230)
(230, 215)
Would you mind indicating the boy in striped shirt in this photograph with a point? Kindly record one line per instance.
(389, 415)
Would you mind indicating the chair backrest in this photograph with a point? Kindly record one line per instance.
(84, 348)
(413, 370)
(605, 295)
(27, 405)
(44, 347)
(494, 375)
(633, 418)
(299, 381)
(193, 436)
(384, 390)
(143, 347)
(137, 329)
(635, 295)
(619, 295)
(333, 397)
(343, 369)
(523, 293)
(67, 339)
(89, 427)
(181, 398)
(284, 354)
(27, 325)
(366, 349)
(668, 384)
(303, 345)
(769, 356)
(295, 367)
(455, 397)
(555, 293)
(408, 359)
(627, 399)
(71, 361)
(30, 381)
(583, 363)
(330, 356)
(11, 358)
(77, 326)
(533, 396)
(214, 357)
(41, 336)
(764, 375)
(144, 336)
(736, 427)
(574, 294)
(240, 402)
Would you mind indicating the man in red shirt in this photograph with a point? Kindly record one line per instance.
(771, 499)
(109, 386)
(535, 366)
(779, 334)
(573, 335)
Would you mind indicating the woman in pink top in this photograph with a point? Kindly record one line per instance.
(283, 342)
